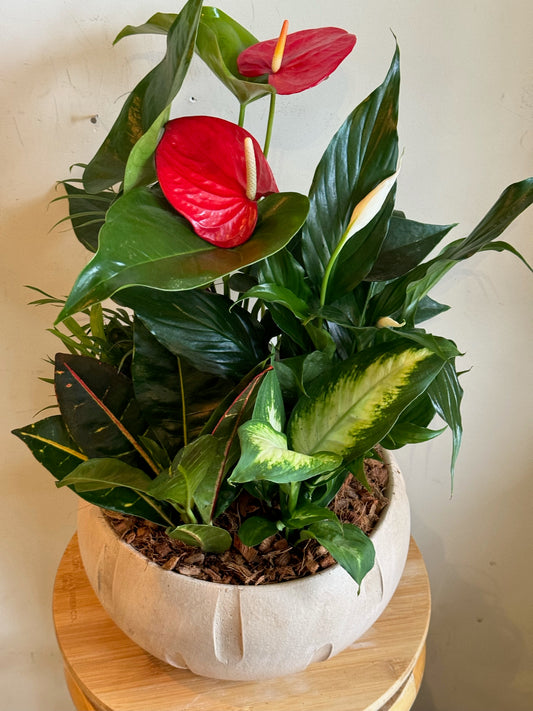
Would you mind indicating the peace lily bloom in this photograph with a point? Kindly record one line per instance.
(297, 61)
(213, 172)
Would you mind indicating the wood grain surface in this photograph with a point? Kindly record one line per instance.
(106, 671)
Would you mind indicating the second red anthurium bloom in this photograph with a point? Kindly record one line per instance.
(213, 172)
(297, 61)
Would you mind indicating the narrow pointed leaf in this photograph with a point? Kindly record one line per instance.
(99, 410)
(83, 202)
(52, 446)
(512, 202)
(446, 395)
(140, 168)
(158, 24)
(404, 433)
(501, 246)
(266, 457)
(146, 102)
(361, 154)
(407, 243)
(144, 242)
(277, 294)
(356, 404)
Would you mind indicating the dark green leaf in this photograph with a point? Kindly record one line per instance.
(407, 243)
(311, 513)
(501, 246)
(159, 379)
(404, 433)
(199, 326)
(362, 153)
(144, 242)
(82, 202)
(428, 308)
(255, 529)
(277, 294)
(146, 102)
(99, 409)
(52, 446)
(513, 201)
(350, 547)
(446, 395)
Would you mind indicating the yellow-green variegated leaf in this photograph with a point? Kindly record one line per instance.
(358, 402)
(266, 457)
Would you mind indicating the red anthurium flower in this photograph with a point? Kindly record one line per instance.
(213, 172)
(307, 58)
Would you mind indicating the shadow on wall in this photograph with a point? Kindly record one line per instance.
(474, 652)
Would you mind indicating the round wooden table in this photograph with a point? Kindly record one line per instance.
(106, 671)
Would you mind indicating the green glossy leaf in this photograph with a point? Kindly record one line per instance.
(405, 433)
(284, 269)
(407, 243)
(298, 373)
(220, 41)
(199, 326)
(350, 547)
(159, 379)
(361, 154)
(276, 294)
(266, 457)
(417, 289)
(106, 473)
(83, 203)
(255, 529)
(512, 202)
(446, 395)
(191, 466)
(310, 513)
(501, 246)
(158, 24)
(52, 446)
(99, 410)
(144, 242)
(140, 168)
(146, 102)
(428, 308)
(210, 539)
(356, 404)
(269, 406)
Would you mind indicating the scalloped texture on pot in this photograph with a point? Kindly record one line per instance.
(243, 632)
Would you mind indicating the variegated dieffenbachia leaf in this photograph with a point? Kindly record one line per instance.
(266, 457)
(358, 402)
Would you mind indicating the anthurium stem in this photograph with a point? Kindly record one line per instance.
(242, 114)
(270, 123)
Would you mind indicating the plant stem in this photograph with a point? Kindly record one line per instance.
(183, 404)
(242, 113)
(160, 511)
(270, 123)
(330, 265)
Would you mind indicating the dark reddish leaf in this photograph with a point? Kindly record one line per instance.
(310, 57)
(201, 168)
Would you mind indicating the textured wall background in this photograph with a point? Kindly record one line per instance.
(466, 125)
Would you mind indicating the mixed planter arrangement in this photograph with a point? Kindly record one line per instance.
(261, 350)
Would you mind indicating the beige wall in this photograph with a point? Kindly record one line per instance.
(466, 125)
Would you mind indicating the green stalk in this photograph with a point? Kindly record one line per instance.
(331, 264)
(270, 123)
(183, 405)
(242, 113)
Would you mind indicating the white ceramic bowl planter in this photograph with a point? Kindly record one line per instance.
(243, 632)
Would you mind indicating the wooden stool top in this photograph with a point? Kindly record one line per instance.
(107, 671)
